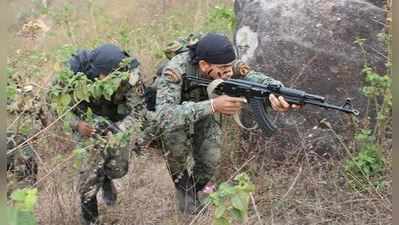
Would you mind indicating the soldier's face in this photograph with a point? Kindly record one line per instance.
(216, 71)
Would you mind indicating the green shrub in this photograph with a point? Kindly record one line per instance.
(231, 200)
(23, 204)
(221, 19)
(367, 166)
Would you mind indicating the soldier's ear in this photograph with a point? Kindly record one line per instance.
(204, 65)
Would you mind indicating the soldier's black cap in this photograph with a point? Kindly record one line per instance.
(102, 60)
(214, 48)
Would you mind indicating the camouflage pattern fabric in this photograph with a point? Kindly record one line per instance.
(103, 160)
(106, 156)
(106, 160)
(194, 148)
(21, 164)
(181, 44)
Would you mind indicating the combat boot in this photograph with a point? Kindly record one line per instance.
(89, 212)
(187, 202)
(186, 195)
(109, 192)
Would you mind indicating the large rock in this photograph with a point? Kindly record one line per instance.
(309, 45)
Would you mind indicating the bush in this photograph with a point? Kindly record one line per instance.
(367, 166)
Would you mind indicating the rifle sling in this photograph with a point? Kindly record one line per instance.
(211, 89)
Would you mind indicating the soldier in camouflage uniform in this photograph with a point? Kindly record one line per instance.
(21, 164)
(104, 161)
(25, 108)
(193, 150)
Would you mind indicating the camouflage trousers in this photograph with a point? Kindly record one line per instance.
(193, 153)
(100, 165)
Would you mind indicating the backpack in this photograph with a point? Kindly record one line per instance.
(178, 46)
(181, 44)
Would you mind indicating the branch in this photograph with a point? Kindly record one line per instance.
(43, 130)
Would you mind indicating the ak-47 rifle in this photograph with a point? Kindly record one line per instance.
(257, 93)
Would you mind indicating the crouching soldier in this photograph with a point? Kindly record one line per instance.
(193, 149)
(95, 122)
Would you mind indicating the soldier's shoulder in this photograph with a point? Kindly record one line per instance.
(240, 68)
(176, 67)
(179, 60)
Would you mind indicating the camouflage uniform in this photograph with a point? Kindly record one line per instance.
(105, 154)
(21, 164)
(192, 150)
(104, 161)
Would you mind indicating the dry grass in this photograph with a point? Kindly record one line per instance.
(300, 188)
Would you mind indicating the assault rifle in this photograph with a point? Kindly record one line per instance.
(257, 93)
(103, 126)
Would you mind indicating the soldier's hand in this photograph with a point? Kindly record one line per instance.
(280, 105)
(227, 105)
(85, 129)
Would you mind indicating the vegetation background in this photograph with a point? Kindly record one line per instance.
(303, 189)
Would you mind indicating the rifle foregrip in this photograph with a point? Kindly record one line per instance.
(258, 107)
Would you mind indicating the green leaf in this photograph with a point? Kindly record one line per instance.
(221, 221)
(31, 199)
(12, 216)
(81, 91)
(219, 212)
(24, 199)
(237, 214)
(96, 91)
(116, 82)
(25, 218)
(244, 199)
(11, 92)
(65, 100)
(226, 189)
(108, 93)
(237, 202)
(214, 198)
(233, 199)
(18, 195)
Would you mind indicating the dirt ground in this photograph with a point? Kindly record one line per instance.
(303, 188)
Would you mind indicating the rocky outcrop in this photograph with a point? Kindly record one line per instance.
(309, 45)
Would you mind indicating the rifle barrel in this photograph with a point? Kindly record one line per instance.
(291, 95)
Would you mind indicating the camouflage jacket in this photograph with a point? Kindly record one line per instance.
(125, 108)
(176, 104)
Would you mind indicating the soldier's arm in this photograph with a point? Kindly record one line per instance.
(135, 102)
(243, 71)
(170, 111)
(261, 78)
(277, 103)
(74, 121)
(73, 117)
